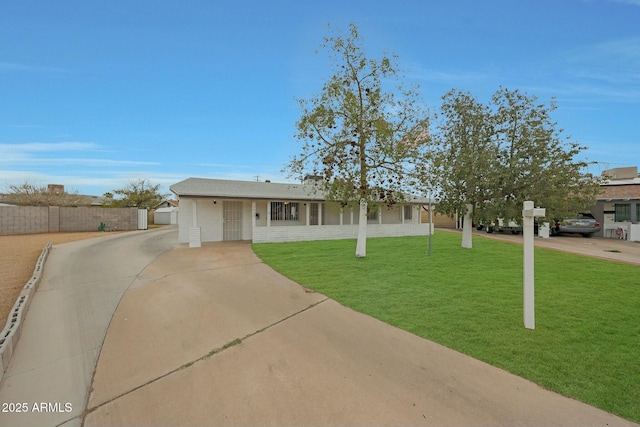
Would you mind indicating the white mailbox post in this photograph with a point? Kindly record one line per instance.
(528, 215)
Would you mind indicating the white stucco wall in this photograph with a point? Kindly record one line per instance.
(210, 220)
(331, 232)
(185, 219)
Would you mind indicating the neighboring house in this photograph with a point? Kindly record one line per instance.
(214, 210)
(96, 200)
(168, 204)
(166, 215)
(618, 204)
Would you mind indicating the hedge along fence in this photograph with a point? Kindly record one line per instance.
(54, 219)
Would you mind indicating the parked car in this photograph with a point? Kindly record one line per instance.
(500, 226)
(584, 223)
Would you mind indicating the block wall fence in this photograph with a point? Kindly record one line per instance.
(55, 219)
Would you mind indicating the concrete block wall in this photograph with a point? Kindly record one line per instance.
(23, 219)
(89, 219)
(53, 219)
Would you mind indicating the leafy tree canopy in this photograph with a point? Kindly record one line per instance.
(139, 193)
(363, 133)
(495, 156)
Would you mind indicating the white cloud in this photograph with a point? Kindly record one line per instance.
(12, 66)
(92, 184)
(94, 162)
(9, 66)
(607, 70)
(17, 153)
(48, 153)
(622, 55)
(222, 165)
(49, 146)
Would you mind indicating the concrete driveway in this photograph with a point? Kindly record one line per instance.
(212, 336)
(50, 373)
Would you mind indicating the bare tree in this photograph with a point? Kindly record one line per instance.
(28, 194)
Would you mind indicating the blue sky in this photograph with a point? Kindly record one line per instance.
(95, 94)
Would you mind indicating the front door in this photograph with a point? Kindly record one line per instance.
(232, 221)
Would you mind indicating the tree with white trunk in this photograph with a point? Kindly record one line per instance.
(363, 133)
(489, 158)
(463, 158)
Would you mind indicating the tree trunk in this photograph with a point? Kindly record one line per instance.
(467, 228)
(361, 246)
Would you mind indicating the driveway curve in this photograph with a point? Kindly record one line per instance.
(48, 379)
(213, 336)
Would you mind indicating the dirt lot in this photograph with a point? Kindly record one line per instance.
(18, 257)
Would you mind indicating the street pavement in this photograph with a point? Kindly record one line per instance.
(212, 336)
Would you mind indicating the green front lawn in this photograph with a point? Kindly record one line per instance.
(586, 344)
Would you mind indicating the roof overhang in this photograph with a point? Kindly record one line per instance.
(253, 190)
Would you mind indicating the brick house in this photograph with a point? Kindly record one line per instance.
(618, 204)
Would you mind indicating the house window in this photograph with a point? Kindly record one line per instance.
(623, 212)
(408, 211)
(372, 213)
(284, 211)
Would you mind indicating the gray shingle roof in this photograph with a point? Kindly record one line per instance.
(244, 189)
(205, 187)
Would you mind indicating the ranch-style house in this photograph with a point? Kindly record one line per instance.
(213, 210)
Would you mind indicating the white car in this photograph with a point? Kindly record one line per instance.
(499, 225)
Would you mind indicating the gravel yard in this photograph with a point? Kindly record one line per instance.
(18, 257)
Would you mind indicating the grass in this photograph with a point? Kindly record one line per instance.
(586, 344)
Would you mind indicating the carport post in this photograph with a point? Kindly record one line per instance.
(528, 215)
